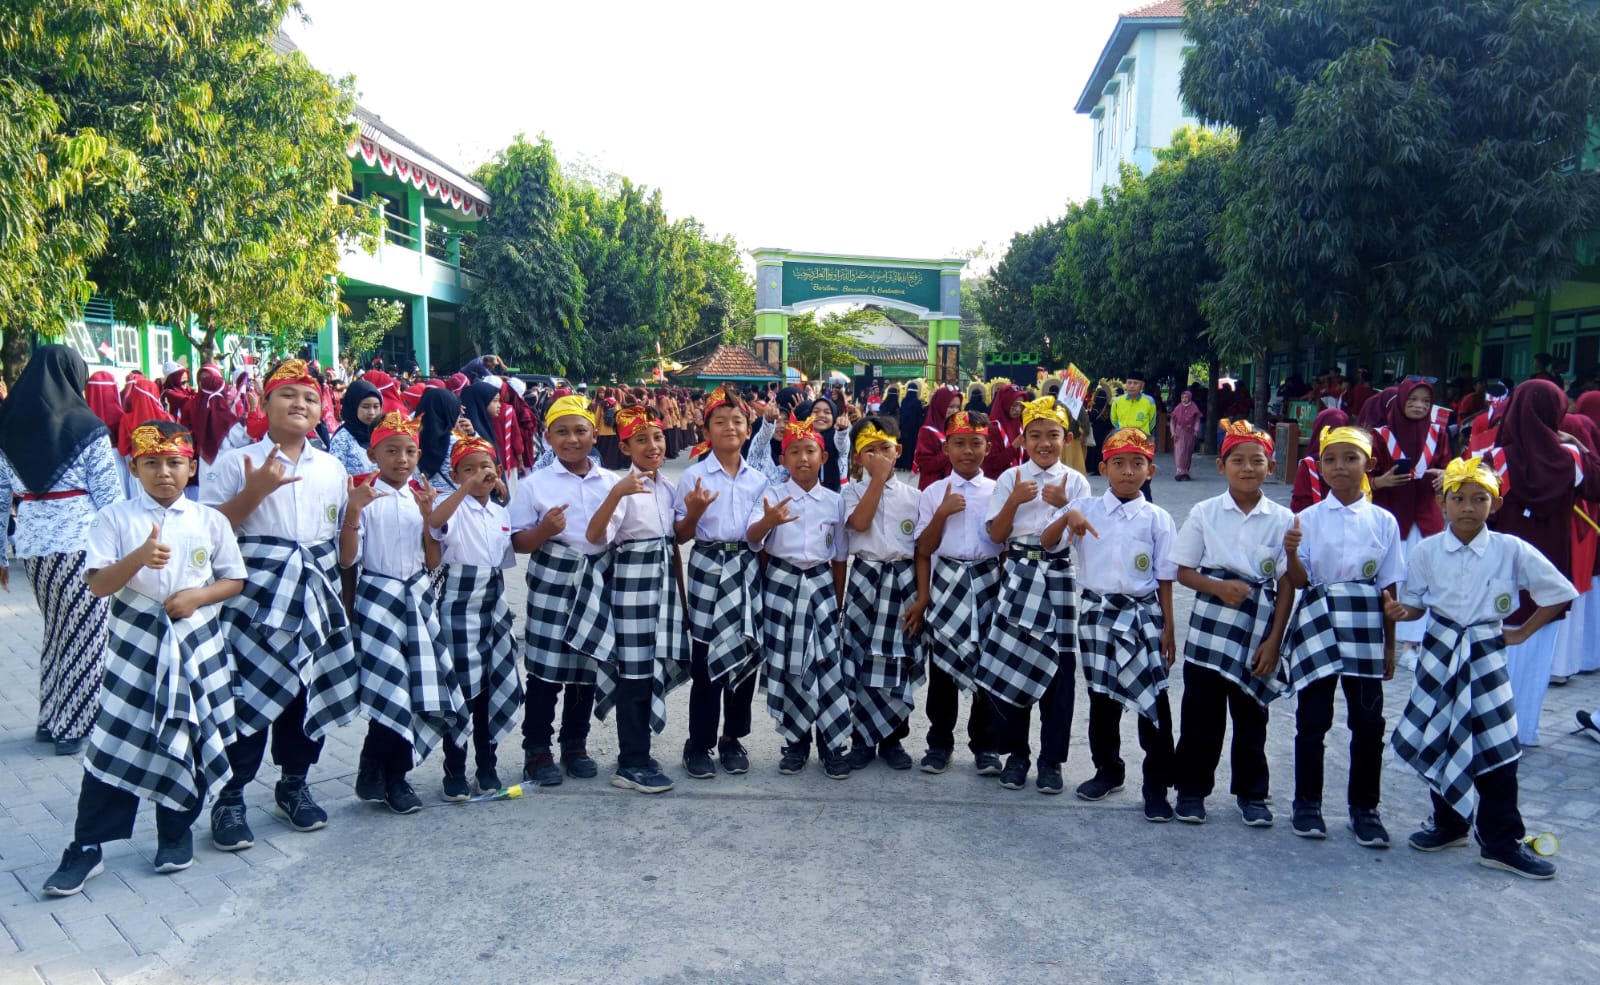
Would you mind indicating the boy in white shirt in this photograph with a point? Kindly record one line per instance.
(801, 526)
(1125, 624)
(1034, 635)
(1459, 728)
(651, 656)
(882, 659)
(167, 563)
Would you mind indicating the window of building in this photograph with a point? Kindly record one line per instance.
(1127, 118)
(160, 347)
(125, 338)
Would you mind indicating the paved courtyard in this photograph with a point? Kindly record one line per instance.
(886, 877)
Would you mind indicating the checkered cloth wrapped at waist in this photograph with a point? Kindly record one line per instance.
(1337, 628)
(475, 629)
(568, 626)
(884, 665)
(408, 681)
(724, 589)
(805, 669)
(648, 625)
(1035, 629)
(1121, 640)
(962, 596)
(1224, 638)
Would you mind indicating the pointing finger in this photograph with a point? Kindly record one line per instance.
(1091, 529)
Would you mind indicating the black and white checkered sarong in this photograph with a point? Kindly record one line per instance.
(475, 628)
(1035, 626)
(885, 666)
(1337, 629)
(647, 622)
(166, 707)
(288, 630)
(805, 671)
(724, 588)
(1461, 720)
(962, 596)
(1225, 638)
(408, 681)
(568, 626)
(1121, 640)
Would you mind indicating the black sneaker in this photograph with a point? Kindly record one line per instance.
(1431, 839)
(488, 780)
(175, 855)
(733, 757)
(836, 766)
(1306, 820)
(697, 763)
(1369, 829)
(1049, 779)
(369, 781)
(935, 761)
(578, 764)
(1015, 775)
(456, 788)
(540, 769)
(229, 830)
(401, 797)
(1255, 813)
(1098, 787)
(1157, 810)
(987, 763)
(42, 733)
(78, 865)
(1586, 726)
(1191, 810)
(895, 756)
(71, 747)
(793, 759)
(1518, 859)
(860, 756)
(295, 805)
(642, 778)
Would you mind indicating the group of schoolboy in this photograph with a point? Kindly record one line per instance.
(229, 625)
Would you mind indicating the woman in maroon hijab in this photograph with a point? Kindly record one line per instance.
(1408, 434)
(1546, 471)
(1308, 485)
(1005, 431)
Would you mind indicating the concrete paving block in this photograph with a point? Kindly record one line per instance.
(206, 889)
(19, 971)
(80, 967)
(21, 850)
(92, 932)
(144, 930)
(110, 891)
(32, 927)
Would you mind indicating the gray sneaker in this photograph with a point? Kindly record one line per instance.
(1255, 813)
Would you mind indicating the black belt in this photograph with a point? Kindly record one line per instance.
(721, 546)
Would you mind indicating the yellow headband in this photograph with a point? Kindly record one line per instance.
(1046, 408)
(571, 405)
(148, 440)
(870, 435)
(1465, 470)
(1359, 437)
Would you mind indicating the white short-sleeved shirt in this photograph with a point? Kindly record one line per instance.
(728, 516)
(1133, 551)
(648, 515)
(819, 533)
(1359, 542)
(306, 512)
(1480, 581)
(1033, 516)
(893, 533)
(477, 534)
(1218, 534)
(966, 534)
(201, 541)
(544, 489)
(390, 529)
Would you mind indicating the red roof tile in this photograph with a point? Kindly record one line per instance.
(1161, 8)
(729, 362)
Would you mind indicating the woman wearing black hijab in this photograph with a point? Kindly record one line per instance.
(56, 458)
(481, 402)
(360, 408)
(910, 423)
(439, 410)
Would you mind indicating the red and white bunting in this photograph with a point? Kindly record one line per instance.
(417, 177)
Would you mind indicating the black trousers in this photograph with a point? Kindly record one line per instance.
(293, 751)
(1008, 729)
(1499, 821)
(483, 748)
(539, 714)
(1105, 742)
(943, 704)
(633, 721)
(1209, 699)
(106, 813)
(708, 698)
(390, 750)
(1313, 716)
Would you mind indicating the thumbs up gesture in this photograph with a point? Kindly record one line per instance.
(152, 553)
(953, 502)
(1394, 610)
(1291, 537)
(1056, 493)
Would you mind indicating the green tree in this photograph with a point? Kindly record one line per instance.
(363, 332)
(729, 308)
(1405, 171)
(818, 343)
(529, 306)
(1009, 302)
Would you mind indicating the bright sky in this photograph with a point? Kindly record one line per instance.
(882, 127)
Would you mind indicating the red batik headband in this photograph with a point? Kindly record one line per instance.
(467, 444)
(291, 371)
(798, 430)
(394, 423)
(1130, 441)
(632, 420)
(961, 423)
(1235, 433)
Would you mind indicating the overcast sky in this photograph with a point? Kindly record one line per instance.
(881, 127)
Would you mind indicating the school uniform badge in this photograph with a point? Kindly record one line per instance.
(1269, 567)
(332, 513)
(906, 526)
(1141, 562)
(1502, 603)
(198, 557)
(1369, 569)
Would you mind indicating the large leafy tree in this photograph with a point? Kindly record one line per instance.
(237, 228)
(1405, 171)
(1011, 301)
(529, 306)
(818, 343)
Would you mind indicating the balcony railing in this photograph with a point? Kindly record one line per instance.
(402, 232)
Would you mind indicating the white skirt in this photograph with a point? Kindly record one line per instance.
(1569, 647)
(1589, 655)
(1529, 666)
(1416, 629)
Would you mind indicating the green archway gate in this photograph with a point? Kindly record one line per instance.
(789, 282)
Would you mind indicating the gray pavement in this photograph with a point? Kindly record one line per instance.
(891, 877)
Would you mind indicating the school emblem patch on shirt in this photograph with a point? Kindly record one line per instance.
(332, 513)
(1502, 603)
(906, 526)
(827, 541)
(1141, 562)
(1369, 569)
(198, 557)
(1269, 567)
